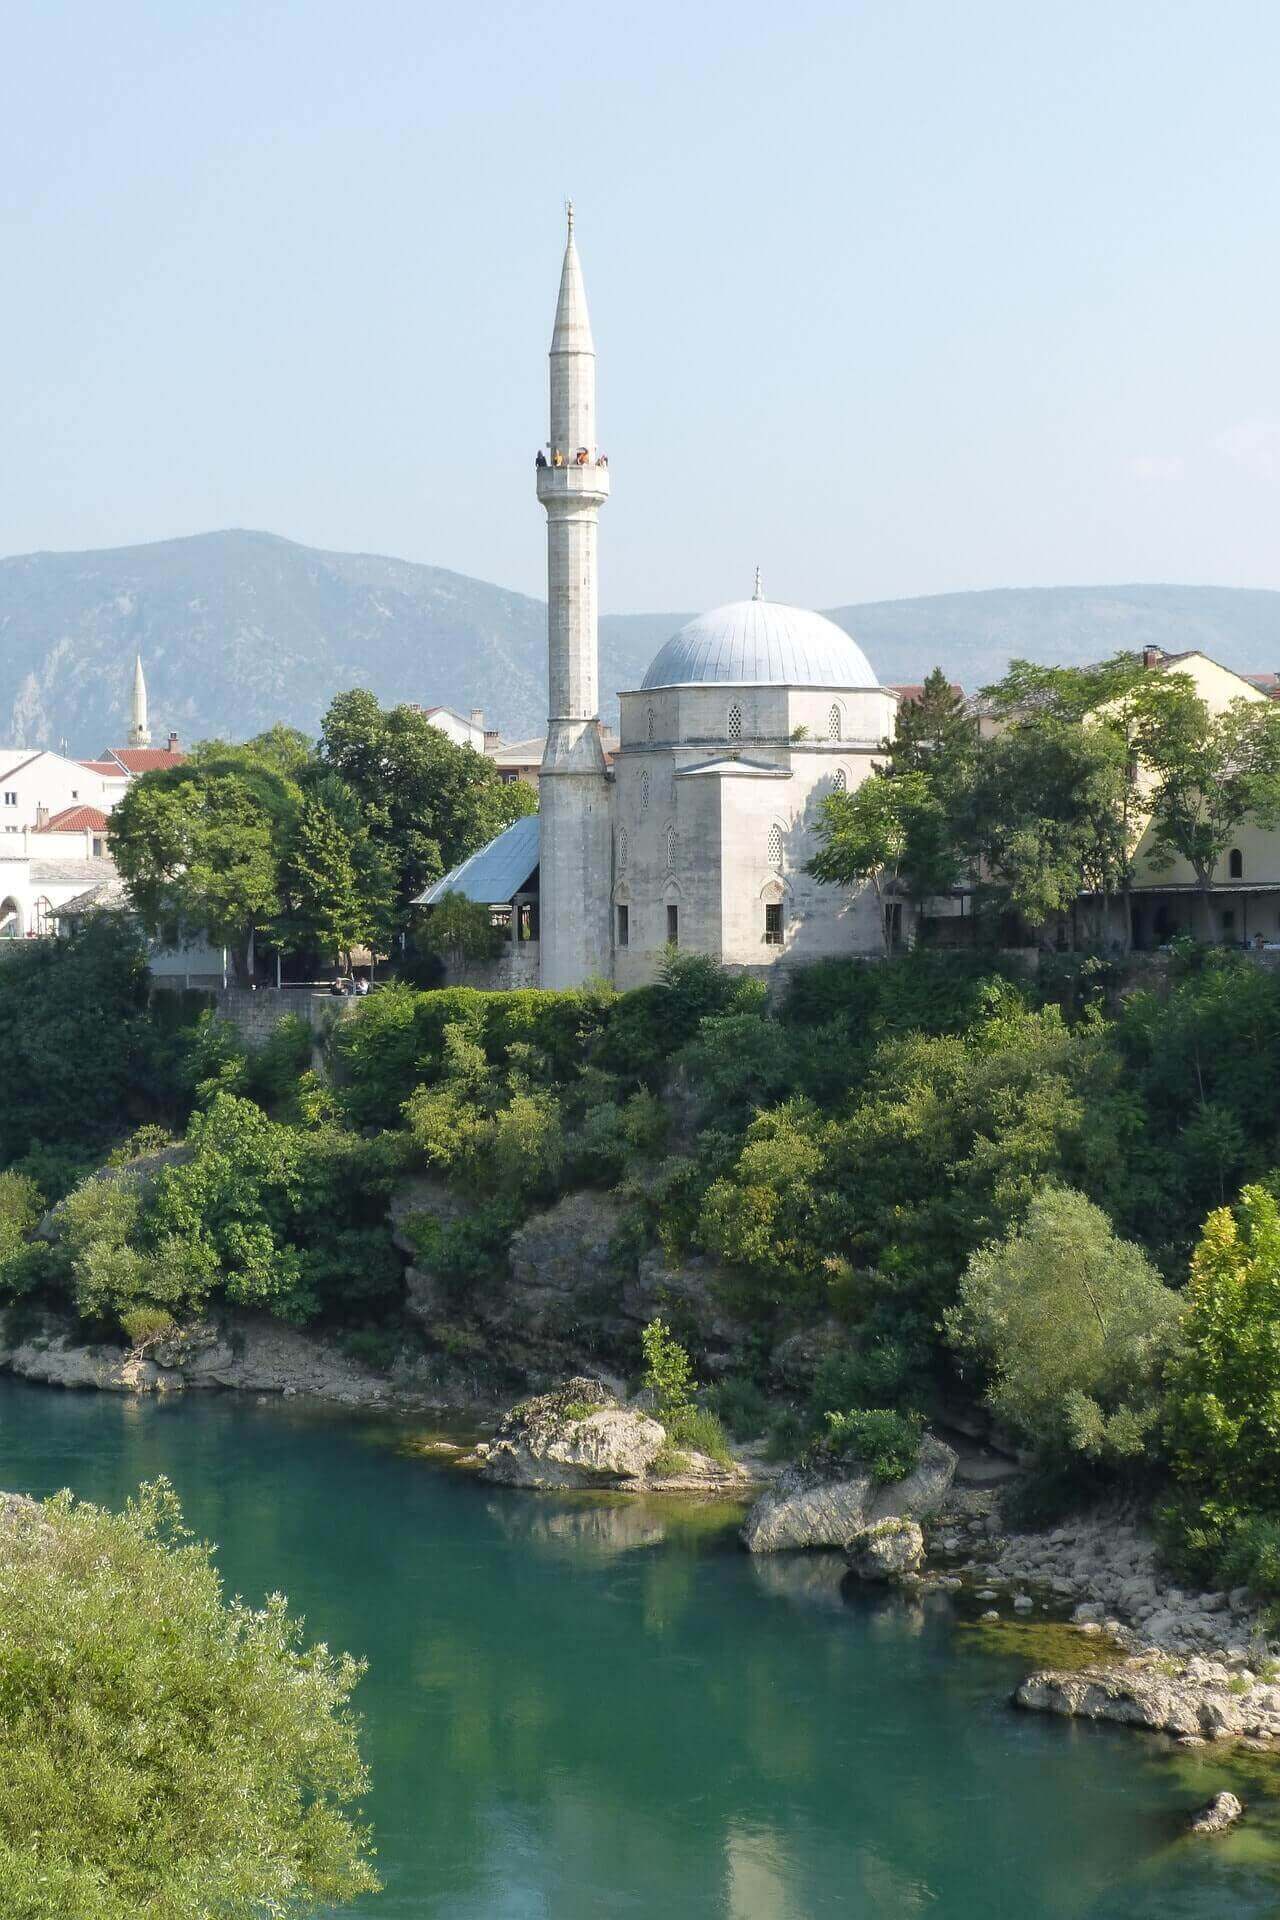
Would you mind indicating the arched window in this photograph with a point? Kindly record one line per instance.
(735, 722)
(644, 791)
(842, 780)
(1237, 864)
(671, 849)
(835, 728)
(46, 925)
(775, 846)
(10, 920)
(624, 848)
(649, 723)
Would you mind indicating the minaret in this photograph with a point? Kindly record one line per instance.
(574, 788)
(140, 731)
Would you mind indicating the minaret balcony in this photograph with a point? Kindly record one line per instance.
(589, 482)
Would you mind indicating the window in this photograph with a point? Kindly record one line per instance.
(644, 791)
(99, 846)
(735, 722)
(842, 780)
(834, 726)
(671, 849)
(649, 723)
(1237, 864)
(75, 795)
(775, 846)
(624, 848)
(1228, 920)
(624, 926)
(10, 798)
(773, 924)
(673, 926)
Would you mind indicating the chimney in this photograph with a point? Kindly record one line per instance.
(477, 719)
(492, 739)
(1151, 658)
(173, 743)
(42, 817)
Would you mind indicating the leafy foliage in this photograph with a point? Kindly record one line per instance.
(164, 1750)
(885, 1442)
(1072, 1326)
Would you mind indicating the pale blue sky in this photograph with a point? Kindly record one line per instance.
(895, 298)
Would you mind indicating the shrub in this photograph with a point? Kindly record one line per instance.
(740, 1405)
(885, 1442)
(668, 1371)
(164, 1749)
(1073, 1327)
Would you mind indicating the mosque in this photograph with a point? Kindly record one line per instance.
(698, 833)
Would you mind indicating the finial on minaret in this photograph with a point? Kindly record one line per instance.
(568, 207)
(759, 592)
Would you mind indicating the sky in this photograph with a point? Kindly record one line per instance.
(892, 297)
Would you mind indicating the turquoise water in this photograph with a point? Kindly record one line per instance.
(584, 1709)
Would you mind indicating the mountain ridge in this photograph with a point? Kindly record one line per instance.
(240, 627)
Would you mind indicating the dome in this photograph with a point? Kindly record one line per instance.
(755, 643)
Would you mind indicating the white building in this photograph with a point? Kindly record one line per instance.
(699, 831)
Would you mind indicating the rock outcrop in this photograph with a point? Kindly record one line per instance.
(1193, 1700)
(810, 1507)
(886, 1550)
(582, 1435)
(1222, 1812)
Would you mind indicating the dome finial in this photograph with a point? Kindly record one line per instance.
(759, 592)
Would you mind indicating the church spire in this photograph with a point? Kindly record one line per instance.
(140, 730)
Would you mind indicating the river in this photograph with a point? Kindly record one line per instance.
(585, 1708)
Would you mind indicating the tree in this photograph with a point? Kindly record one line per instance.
(199, 847)
(1211, 772)
(936, 733)
(461, 930)
(886, 829)
(164, 1750)
(1072, 1325)
(428, 802)
(337, 878)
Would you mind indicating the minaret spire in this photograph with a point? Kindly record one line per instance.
(140, 730)
(574, 795)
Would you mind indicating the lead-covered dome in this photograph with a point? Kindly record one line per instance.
(755, 643)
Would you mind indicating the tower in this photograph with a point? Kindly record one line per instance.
(139, 731)
(574, 788)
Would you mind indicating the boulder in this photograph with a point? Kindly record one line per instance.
(576, 1436)
(808, 1507)
(887, 1550)
(1222, 1812)
(1145, 1693)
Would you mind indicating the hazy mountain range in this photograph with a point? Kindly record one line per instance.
(240, 629)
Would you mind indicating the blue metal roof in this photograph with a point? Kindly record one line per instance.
(496, 872)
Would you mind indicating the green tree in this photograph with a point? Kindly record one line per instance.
(165, 1750)
(886, 830)
(1224, 1391)
(200, 845)
(427, 801)
(461, 931)
(1211, 772)
(1072, 1326)
(337, 878)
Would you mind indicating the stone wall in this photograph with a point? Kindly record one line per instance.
(256, 1014)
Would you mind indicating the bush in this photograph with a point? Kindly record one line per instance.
(162, 1749)
(668, 1376)
(1073, 1327)
(885, 1442)
(740, 1405)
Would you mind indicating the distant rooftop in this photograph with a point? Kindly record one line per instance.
(495, 873)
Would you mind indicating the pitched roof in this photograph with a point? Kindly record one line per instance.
(528, 753)
(20, 764)
(144, 759)
(75, 820)
(107, 893)
(65, 873)
(107, 768)
(496, 872)
(916, 691)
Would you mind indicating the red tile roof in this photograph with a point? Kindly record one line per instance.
(916, 690)
(107, 768)
(75, 820)
(145, 759)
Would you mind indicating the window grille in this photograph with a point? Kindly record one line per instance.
(834, 728)
(624, 848)
(644, 791)
(842, 780)
(773, 924)
(671, 848)
(735, 722)
(649, 723)
(775, 846)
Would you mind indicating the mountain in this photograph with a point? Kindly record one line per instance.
(241, 629)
